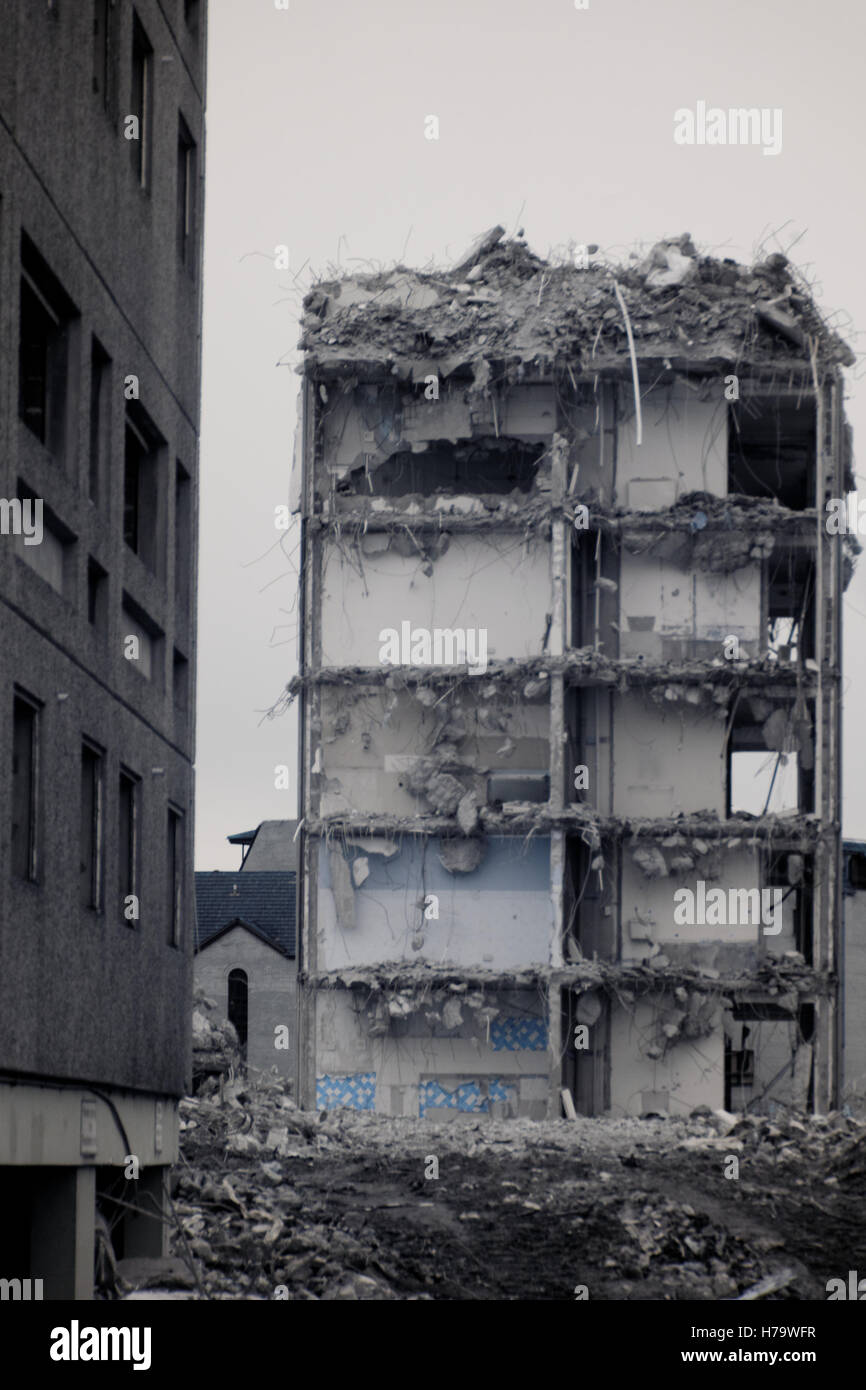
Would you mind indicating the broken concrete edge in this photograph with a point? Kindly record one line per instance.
(520, 308)
(400, 976)
(665, 364)
(733, 512)
(504, 515)
(582, 665)
(785, 832)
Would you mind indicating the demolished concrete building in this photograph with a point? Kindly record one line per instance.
(617, 475)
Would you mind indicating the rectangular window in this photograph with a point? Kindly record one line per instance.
(25, 775)
(174, 876)
(135, 454)
(141, 105)
(795, 875)
(790, 585)
(190, 15)
(771, 756)
(186, 165)
(97, 595)
(181, 681)
(127, 849)
(143, 642)
(100, 364)
(44, 350)
(739, 1067)
(771, 449)
(142, 493)
(90, 829)
(763, 783)
(182, 535)
(518, 786)
(103, 52)
(53, 558)
(857, 872)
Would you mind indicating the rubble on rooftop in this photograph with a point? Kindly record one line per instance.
(511, 307)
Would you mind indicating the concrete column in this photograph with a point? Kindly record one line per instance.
(62, 1232)
(145, 1231)
(554, 1033)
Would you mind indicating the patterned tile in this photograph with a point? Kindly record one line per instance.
(518, 1034)
(358, 1092)
(468, 1097)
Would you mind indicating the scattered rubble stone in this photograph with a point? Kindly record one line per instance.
(334, 1206)
(215, 1047)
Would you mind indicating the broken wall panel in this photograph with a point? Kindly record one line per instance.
(359, 427)
(382, 749)
(651, 908)
(479, 467)
(647, 1076)
(384, 442)
(588, 422)
(497, 915)
(437, 1050)
(770, 753)
(763, 1062)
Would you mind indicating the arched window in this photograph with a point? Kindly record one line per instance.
(238, 1003)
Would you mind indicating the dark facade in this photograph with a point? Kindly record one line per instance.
(853, 972)
(101, 161)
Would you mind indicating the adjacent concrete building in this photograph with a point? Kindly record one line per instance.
(246, 960)
(101, 157)
(570, 686)
(272, 845)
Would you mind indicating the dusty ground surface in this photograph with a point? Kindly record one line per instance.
(275, 1202)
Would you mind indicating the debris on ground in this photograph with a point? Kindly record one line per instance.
(276, 1202)
(215, 1046)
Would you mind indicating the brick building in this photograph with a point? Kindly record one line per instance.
(246, 960)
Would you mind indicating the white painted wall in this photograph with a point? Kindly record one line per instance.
(476, 926)
(692, 604)
(684, 448)
(498, 582)
(667, 759)
(692, 1073)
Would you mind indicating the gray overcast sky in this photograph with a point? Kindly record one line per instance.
(315, 139)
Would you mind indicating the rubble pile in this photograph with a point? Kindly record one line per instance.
(504, 304)
(274, 1202)
(834, 1142)
(215, 1047)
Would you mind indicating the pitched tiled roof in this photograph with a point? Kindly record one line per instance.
(265, 901)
